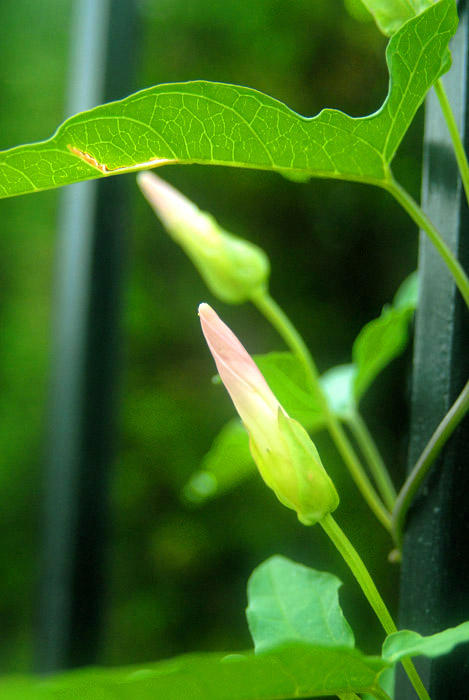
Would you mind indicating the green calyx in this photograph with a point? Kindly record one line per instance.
(233, 269)
(292, 468)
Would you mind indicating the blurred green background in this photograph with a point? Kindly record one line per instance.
(178, 573)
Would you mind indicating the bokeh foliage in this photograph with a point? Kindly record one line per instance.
(339, 251)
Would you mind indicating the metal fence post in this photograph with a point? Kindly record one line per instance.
(435, 582)
(83, 393)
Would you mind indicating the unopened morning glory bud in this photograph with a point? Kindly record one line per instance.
(233, 269)
(281, 448)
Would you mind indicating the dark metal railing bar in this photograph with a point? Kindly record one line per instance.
(434, 581)
(85, 359)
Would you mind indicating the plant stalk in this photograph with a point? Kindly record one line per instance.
(423, 222)
(439, 438)
(380, 694)
(280, 321)
(361, 574)
(373, 457)
(458, 147)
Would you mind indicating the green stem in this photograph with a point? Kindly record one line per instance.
(356, 470)
(275, 315)
(380, 694)
(439, 438)
(455, 137)
(282, 324)
(373, 457)
(360, 572)
(423, 222)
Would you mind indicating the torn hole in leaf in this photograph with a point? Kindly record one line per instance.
(103, 168)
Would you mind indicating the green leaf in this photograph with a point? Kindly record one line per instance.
(379, 342)
(387, 682)
(338, 384)
(289, 602)
(300, 671)
(408, 293)
(390, 15)
(212, 123)
(287, 378)
(226, 464)
(406, 643)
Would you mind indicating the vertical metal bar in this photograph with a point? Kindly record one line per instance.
(85, 358)
(435, 582)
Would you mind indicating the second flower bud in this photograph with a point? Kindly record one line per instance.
(233, 269)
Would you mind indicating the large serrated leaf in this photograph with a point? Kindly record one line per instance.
(289, 602)
(299, 671)
(217, 124)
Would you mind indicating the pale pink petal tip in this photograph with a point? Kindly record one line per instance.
(146, 179)
(203, 308)
(211, 321)
(153, 187)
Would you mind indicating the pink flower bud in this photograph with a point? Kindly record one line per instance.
(281, 448)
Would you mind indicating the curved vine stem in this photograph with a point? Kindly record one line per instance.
(423, 222)
(280, 321)
(373, 457)
(459, 151)
(380, 694)
(441, 435)
(366, 583)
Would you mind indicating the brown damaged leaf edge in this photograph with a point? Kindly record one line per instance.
(103, 168)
